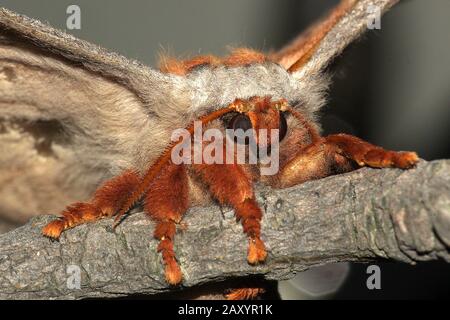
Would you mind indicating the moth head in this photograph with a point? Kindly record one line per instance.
(260, 119)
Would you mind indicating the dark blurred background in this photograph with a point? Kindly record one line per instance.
(390, 87)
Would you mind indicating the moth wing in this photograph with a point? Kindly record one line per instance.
(71, 115)
(312, 51)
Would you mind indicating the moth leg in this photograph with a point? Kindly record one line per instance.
(166, 202)
(230, 185)
(106, 201)
(366, 154)
(250, 293)
(338, 153)
(314, 161)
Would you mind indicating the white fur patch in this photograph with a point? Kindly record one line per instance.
(214, 88)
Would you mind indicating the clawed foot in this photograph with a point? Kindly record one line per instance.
(379, 158)
(173, 273)
(366, 154)
(256, 251)
(54, 229)
(405, 160)
(73, 215)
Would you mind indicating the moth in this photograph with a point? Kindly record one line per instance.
(106, 124)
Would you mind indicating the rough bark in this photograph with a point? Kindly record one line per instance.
(364, 215)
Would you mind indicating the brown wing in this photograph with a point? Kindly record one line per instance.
(71, 114)
(317, 46)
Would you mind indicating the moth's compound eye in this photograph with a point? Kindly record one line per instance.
(242, 122)
(283, 126)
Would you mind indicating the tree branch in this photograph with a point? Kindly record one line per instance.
(360, 216)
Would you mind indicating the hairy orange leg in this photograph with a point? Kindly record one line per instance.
(106, 201)
(163, 161)
(336, 154)
(166, 202)
(230, 185)
(366, 154)
(245, 293)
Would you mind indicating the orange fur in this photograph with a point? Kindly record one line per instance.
(73, 215)
(166, 202)
(166, 186)
(264, 117)
(110, 197)
(163, 160)
(366, 154)
(167, 195)
(245, 293)
(106, 201)
(182, 67)
(231, 185)
(338, 153)
(305, 156)
(237, 57)
(311, 162)
(309, 125)
(172, 270)
(201, 60)
(299, 51)
(172, 65)
(243, 56)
